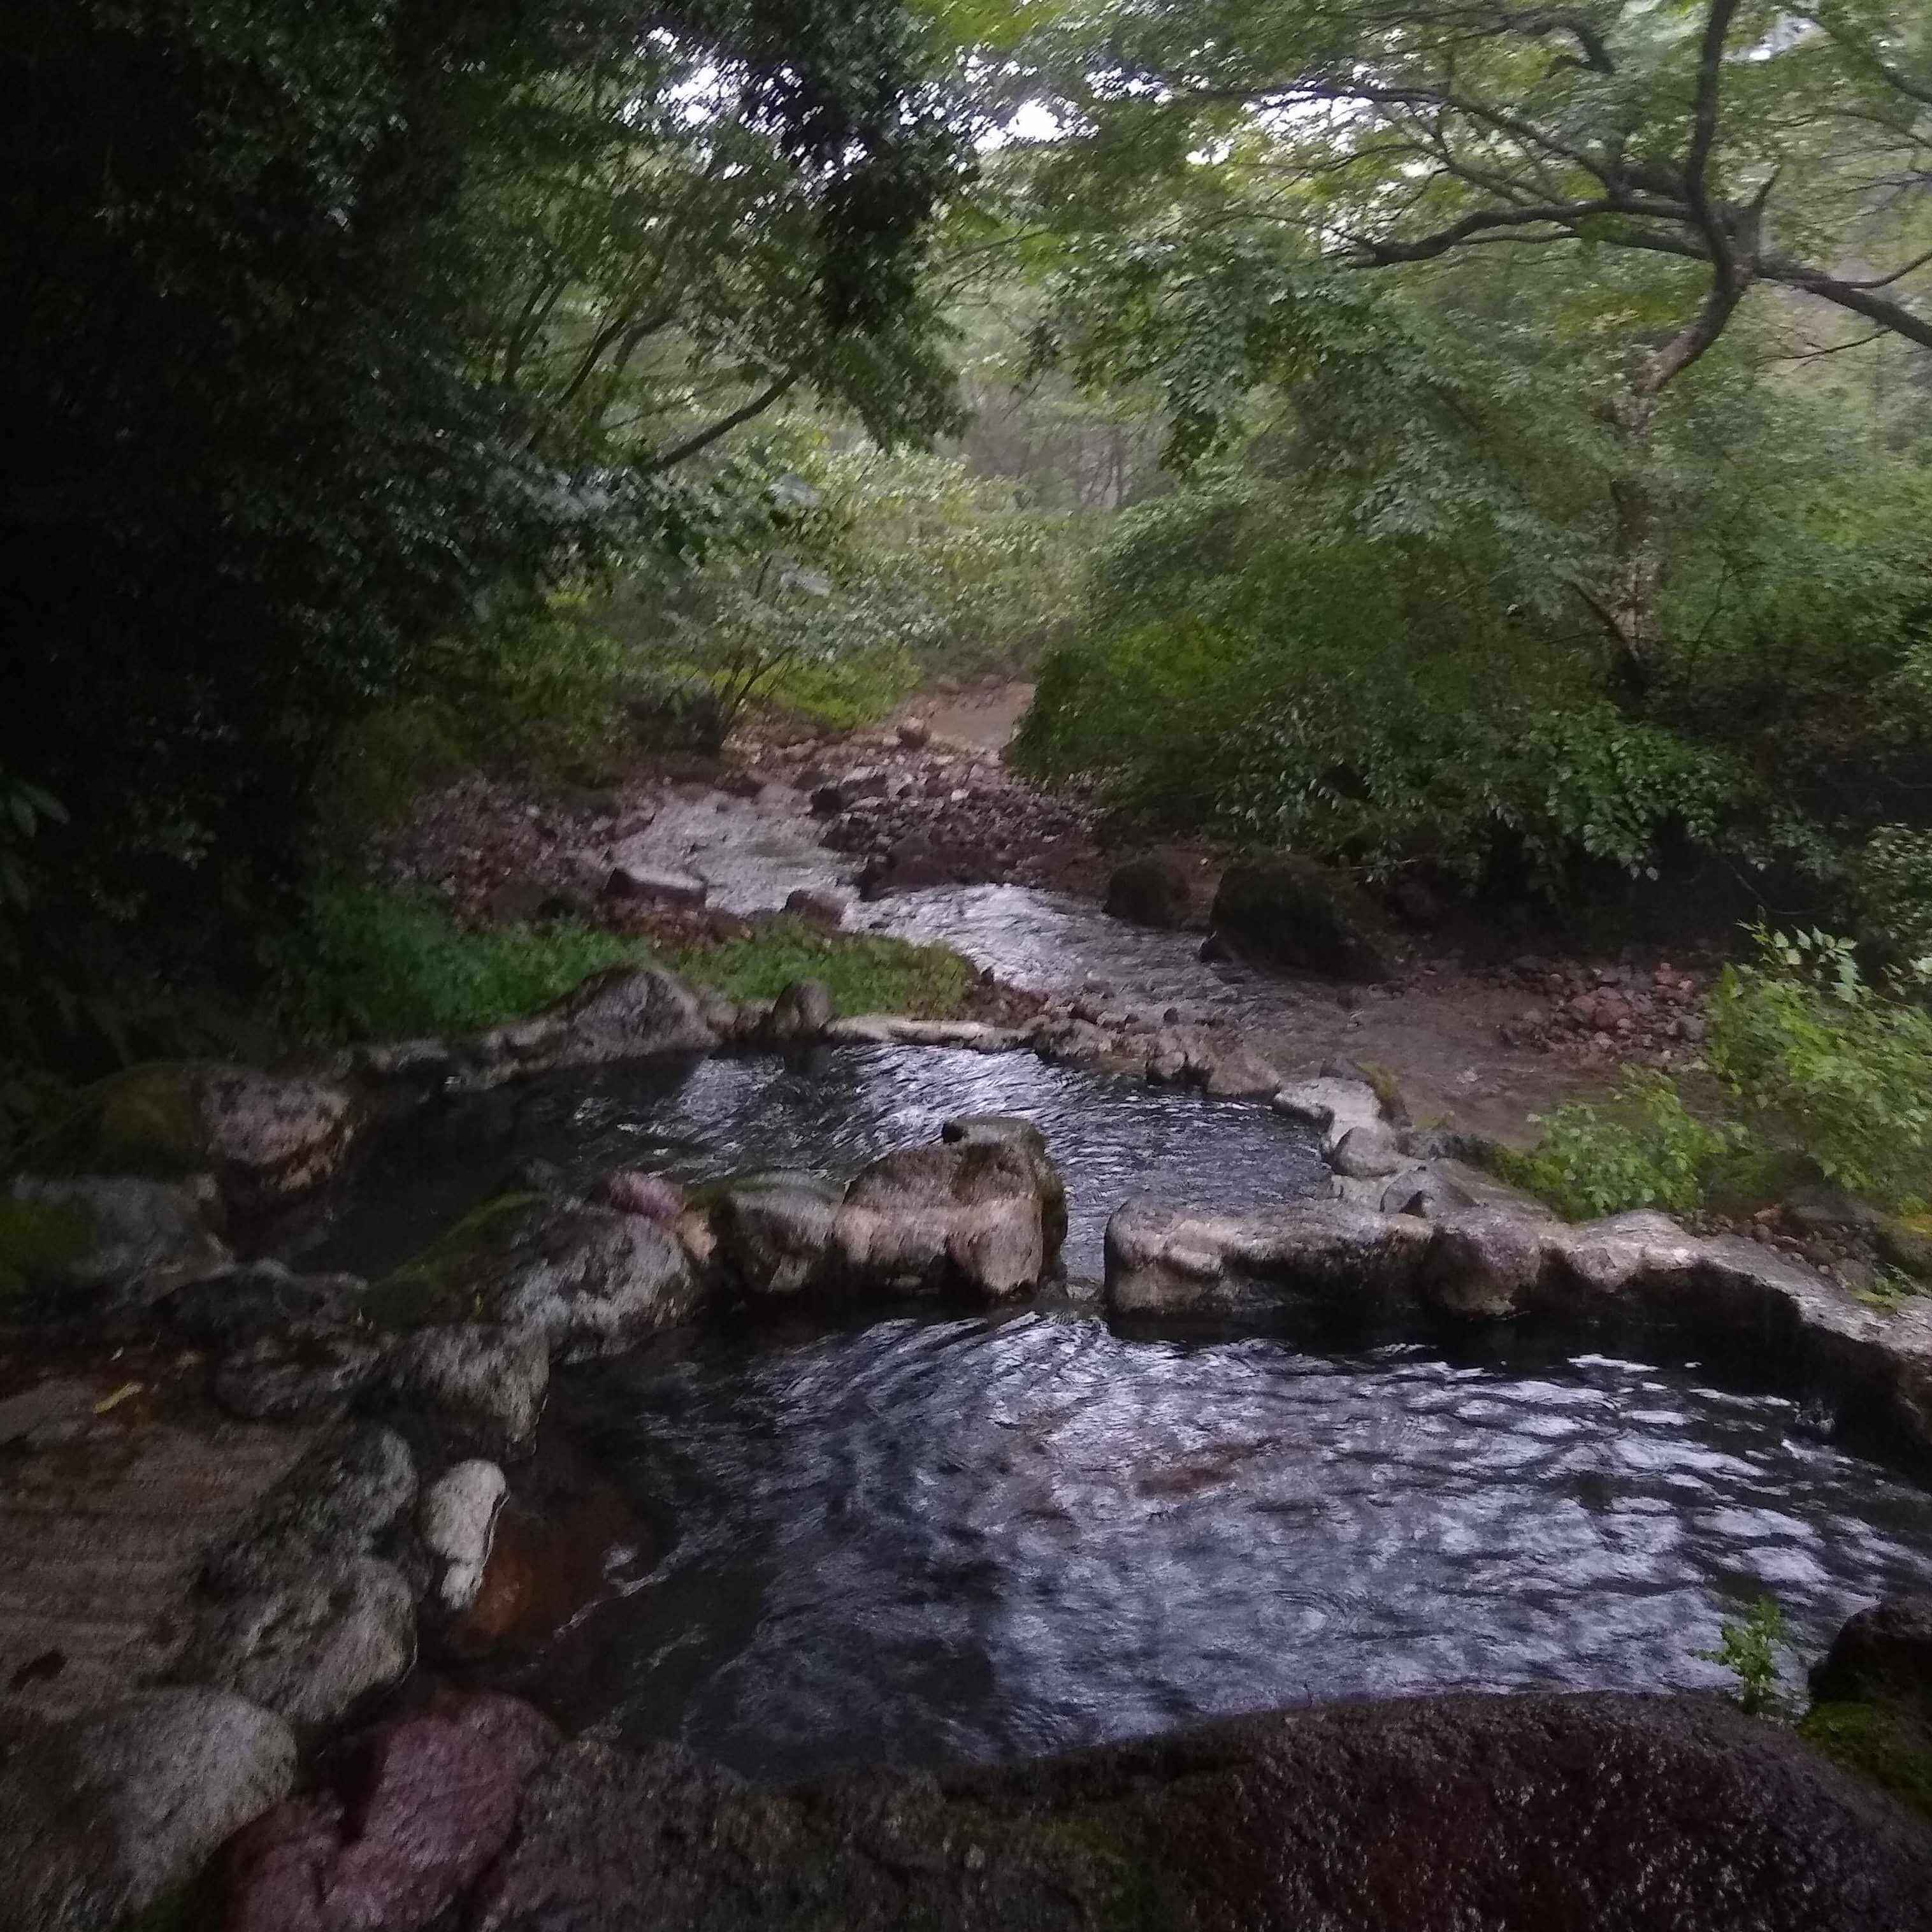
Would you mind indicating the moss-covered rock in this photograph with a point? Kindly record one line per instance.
(441, 1284)
(1297, 912)
(1877, 1742)
(268, 1139)
(69, 1233)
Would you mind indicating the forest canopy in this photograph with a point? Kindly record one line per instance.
(1483, 442)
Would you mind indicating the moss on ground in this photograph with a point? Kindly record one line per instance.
(865, 972)
(1878, 1743)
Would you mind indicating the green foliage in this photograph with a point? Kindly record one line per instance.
(1748, 1648)
(368, 964)
(1808, 1051)
(1892, 892)
(1645, 1150)
(865, 972)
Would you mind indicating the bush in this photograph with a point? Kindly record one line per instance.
(1648, 1150)
(370, 963)
(1810, 1053)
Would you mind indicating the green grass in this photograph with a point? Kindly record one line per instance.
(849, 693)
(371, 965)
(865, 974)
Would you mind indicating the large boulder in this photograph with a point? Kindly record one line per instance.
(312, 1645)
(1195, 1263)
(1883, 1655)
(417, 1809)
(478, 1382)
(589, 1280)
(800, 1014)
(773, 1237)
(982, 1215)
(1530, 1813)
(1296, 913)
(622, 1013)
(1152, 889)
(102, 1816)
(65, 1242)
(269, 1139)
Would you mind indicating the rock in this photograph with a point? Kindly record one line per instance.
(1883, 1655)
(268, 1139)
(1154, 889)
(331, 1508)
(101, 1816)
(1426, 1190)
(312, 1646)
(975, 1216)
(1538, 1813)
(590, 1280)
(1298, 913)
(244, 1304)
(135, 1240)
(638, 883)
(423, 1807)
(1237, 1071)
(802, 1011)
(915, 733)
(1183, 1261)
(1024, 1139)
(622, 1013)
(632, 1191)
(773, 1240)
(1485, 1263)
(1500, 1260)
(305, 1369)
(482, 1381)
(819, 908)
(894, 1030)
(551, 1556)
(1366, 1153)
(1334, 1108)
(1906, 1244)
(457, 1519)
(828, 800)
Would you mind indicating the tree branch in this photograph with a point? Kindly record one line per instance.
(681, 451)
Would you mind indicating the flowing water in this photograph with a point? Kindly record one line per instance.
(926, 1538)
(929, 1540)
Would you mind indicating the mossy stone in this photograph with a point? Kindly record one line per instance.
(1878, 1743)
(436, 1286)
(41, 1241)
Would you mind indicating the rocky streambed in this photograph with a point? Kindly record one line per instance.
(875, 1393)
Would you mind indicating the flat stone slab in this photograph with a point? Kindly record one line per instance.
(104, 1520)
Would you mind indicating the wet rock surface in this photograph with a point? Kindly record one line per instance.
(479, 1383)
(1593, 1813)
(100, 1816)
(417, 1810)
(623, 1013)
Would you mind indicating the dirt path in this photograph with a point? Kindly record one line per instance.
(104, 1516)
(983, 719)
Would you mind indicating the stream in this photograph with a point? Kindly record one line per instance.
(920, 1538)
(916, 1537)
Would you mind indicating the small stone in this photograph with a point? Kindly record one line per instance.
(636, 883)
(457, 1519)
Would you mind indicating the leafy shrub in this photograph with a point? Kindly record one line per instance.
(1647, 1151)
(1892, 891)
(1748, 1649)
(373, 964)
(1809, 1051)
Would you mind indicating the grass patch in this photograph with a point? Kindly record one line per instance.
(846, 693)
(374, 964)
(866, 973)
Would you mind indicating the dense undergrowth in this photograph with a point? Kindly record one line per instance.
(1810, 1074)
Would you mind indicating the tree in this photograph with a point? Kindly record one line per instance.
(269, 463)
(1764, 148)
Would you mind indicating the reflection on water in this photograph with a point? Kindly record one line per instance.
(830, 1111)
(926, 1541)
